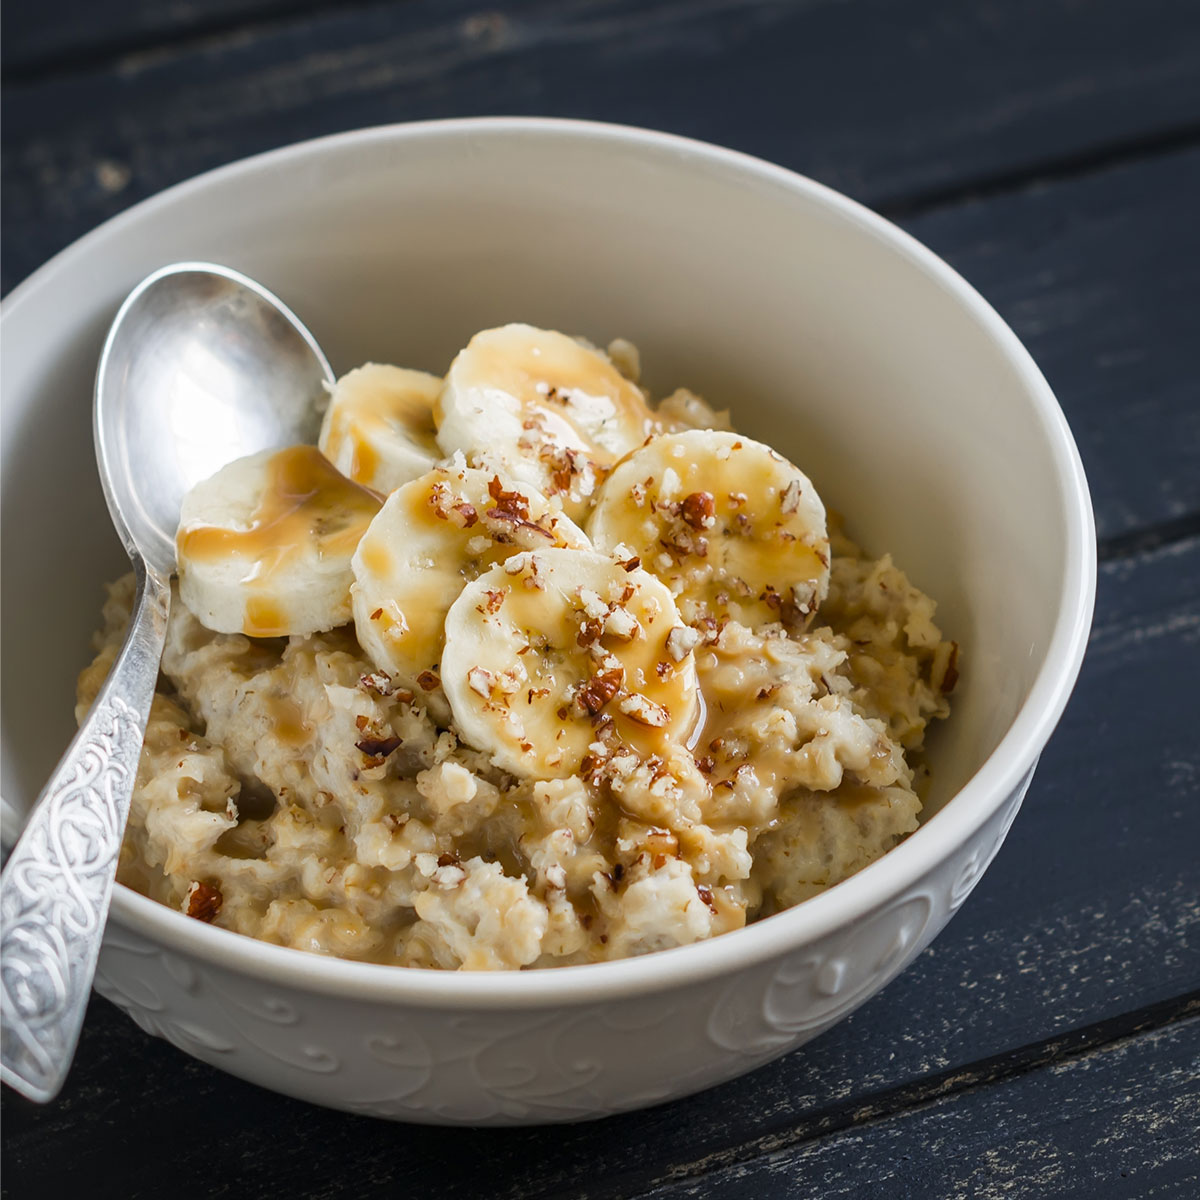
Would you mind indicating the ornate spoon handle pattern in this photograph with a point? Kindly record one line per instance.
(57, 883)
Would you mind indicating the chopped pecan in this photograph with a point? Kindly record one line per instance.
(499, 514)
(378, 747)
(699, 510)
(793, 608)
(590, 631)
(493, 601)
(561, 463)
(681, 641)
(437, 501)
(510, 506)
(204, 901)
(621, 624)
(950, 678)
(481, 681)
(644, 711)
(599, 690)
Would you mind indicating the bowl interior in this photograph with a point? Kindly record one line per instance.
(829, 337)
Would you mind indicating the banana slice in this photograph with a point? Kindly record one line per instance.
(432, 536)
(733, 528)
(556, 655)
(378, 428)
(264, 545)
(551, 411)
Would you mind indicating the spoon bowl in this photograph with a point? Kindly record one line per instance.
(201, 366)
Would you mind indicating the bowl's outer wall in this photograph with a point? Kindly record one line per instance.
(562, 1063)
(829, 338)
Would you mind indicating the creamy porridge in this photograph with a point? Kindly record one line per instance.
(521, 672)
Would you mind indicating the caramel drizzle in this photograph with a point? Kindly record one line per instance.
(307, 503)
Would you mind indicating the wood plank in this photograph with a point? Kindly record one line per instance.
(883, 101)
(1089, 913)
(1118, 1122)
(62, 34)
(1098, 276)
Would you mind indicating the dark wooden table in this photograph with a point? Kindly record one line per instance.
(1048, 1044)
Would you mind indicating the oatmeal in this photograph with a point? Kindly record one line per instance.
(550, 675)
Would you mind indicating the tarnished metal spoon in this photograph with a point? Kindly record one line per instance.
(201, 366)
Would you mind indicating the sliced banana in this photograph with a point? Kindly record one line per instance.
(264, 545)
(555, 655)
(553, 412)
(378, 428)
(432, 536)
(733, 528)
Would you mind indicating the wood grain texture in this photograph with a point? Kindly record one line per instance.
(1119, 1122)
(1099, 276)
(884, 101)
(58, 35)
(1089, 913)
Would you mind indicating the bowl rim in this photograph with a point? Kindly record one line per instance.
(997, 778)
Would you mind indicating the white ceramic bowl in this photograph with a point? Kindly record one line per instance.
(833, 335)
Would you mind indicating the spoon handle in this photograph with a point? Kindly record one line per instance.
(56, 885)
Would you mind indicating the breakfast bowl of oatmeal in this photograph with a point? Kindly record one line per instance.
(640, 669)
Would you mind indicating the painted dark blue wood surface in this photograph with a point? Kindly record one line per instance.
(1050, 150)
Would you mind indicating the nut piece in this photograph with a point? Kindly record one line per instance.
(644, 711)
(203, 901)
(699, 510)
(592, 605)
(790, 500)
(378, 747)
(481, 680)
(681, 641)
(599, 690)
(621, 624)
(381, 684)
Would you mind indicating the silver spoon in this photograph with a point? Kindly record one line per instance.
(201, 366)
